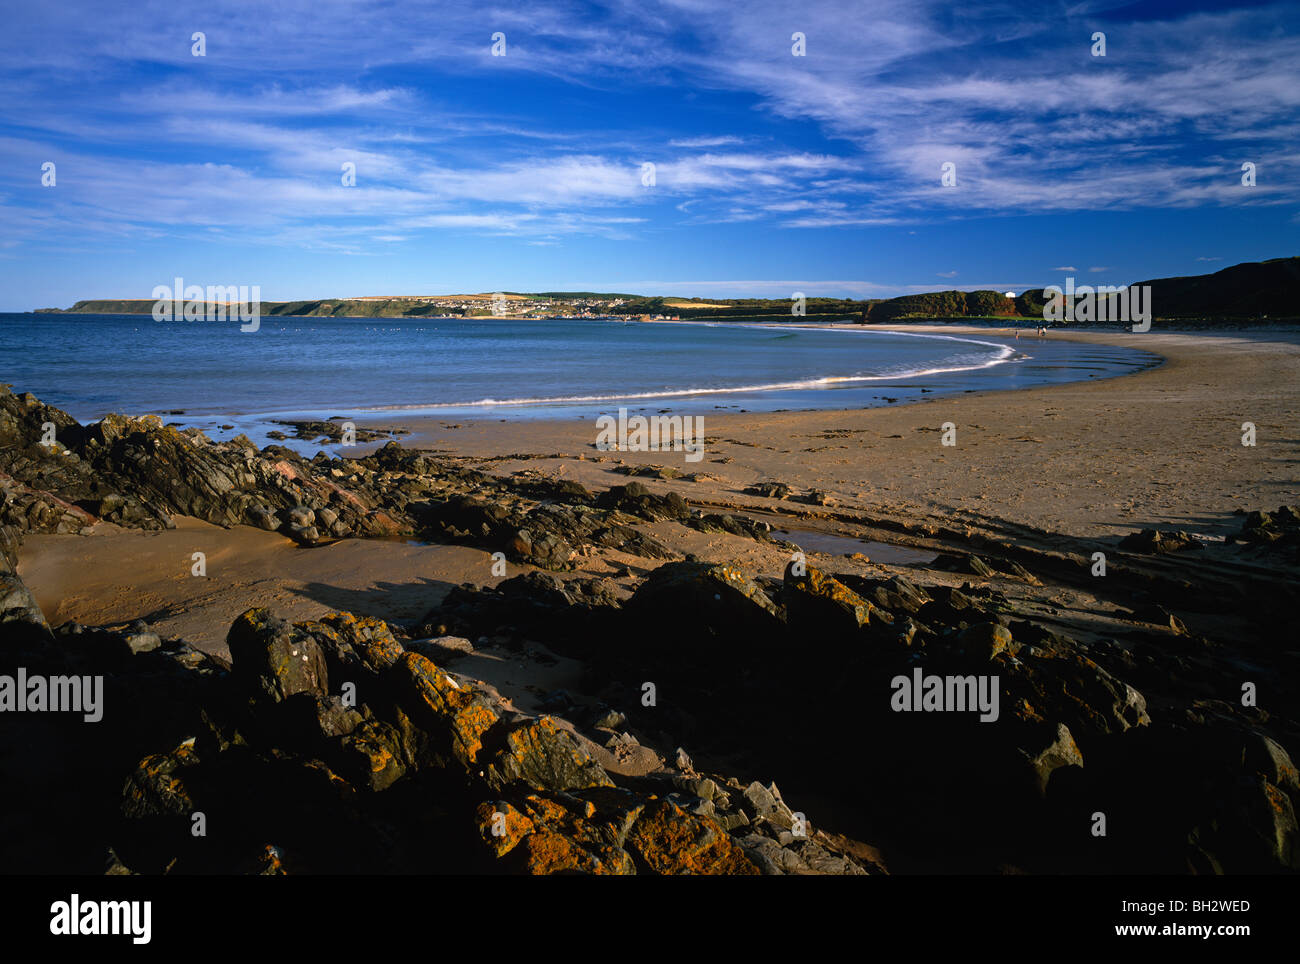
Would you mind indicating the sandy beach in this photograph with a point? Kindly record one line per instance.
(1088, 460)
(1161, 447)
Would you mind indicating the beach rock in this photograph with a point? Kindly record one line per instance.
(374, 752)
(546, 551)
(19, 612)
(759, 801)
(670, 841)
(273, 660)
(732, 525)
(1276, 530)
(571, 491)
(632, 541)
(141, 642)
(769, 490)
(968, 563)
(770, 857)
(157, 788)
(541, 590)
(261, 516)
(895, 594)
(303, 535)
(501, 826)
(1270, 815)
(27, 509)
(23, 417)
(650, 471)
(334, 719)
(819, 606)
(635, 499)
(10, 538)
(818, 497)
(576, 834)
(1059, 750)
(113, 866)
(718, 597)
(455, 719)
(1156, 541)
(950, 607)
(571, 616)
(553, 853)
(1070, 687)
(1162, 617)
(441, 647)
(702, 787)
(356, 648)
(541, 755)
(987, 640)
(139, 472)
(819, 860)
(603, 717)
(1267, 757)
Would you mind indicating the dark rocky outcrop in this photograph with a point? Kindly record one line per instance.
(327, 746)
(345, 744)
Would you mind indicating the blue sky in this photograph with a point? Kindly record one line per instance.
(524, 172)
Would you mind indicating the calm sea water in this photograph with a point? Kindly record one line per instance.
(371, 368)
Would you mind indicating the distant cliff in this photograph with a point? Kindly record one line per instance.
(330, 307)
(1262, 291)
(1255, 290)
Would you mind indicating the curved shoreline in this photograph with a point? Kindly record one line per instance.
(1007, 354)
(565, 408)
(1157, 446)
(417, 420)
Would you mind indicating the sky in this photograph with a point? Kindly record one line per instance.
(506, 147)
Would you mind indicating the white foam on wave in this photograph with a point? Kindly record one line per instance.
(1004, 354)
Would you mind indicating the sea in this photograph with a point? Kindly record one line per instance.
(212, 375)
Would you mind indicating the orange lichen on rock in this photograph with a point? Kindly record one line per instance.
(545, 757)
(672, 841)
(547, 852)
(371, 638)
(501, 825)
(376, 749)
(154, 788)
(460, 715)
(813, 597)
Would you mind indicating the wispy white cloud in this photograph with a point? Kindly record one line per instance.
(252, 137)
(696, 142)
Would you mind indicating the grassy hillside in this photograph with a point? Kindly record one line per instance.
(1250, 291)
(1254, 289)
(943, 304)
